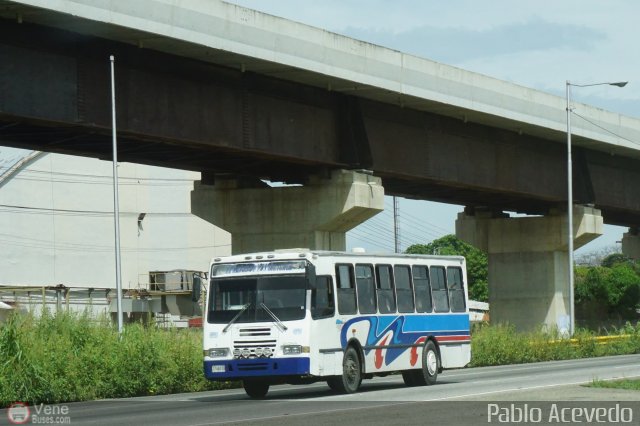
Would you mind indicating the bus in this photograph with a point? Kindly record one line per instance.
(301, 316)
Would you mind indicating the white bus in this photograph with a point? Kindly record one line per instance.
(300, 316)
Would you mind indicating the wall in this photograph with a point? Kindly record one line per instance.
(66, 233)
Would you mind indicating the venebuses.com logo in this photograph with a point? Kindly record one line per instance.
(18, 413)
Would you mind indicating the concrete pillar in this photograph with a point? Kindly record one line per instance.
(314, 216)
(528, 262)
(631, 243)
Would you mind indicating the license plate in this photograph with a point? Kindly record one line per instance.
(217, 368)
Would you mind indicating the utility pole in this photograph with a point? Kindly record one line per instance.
(396, 224)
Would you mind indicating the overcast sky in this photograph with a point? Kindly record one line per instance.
(536, 43)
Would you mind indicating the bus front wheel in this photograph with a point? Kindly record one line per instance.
(256, 389)
(351, 378)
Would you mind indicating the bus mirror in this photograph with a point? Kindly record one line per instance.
(195, 289)
(311, 276)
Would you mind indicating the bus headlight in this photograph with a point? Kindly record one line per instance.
(294, 349)
(217, 352)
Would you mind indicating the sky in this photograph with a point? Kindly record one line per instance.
(536, 43)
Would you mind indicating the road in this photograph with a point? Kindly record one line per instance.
(459, 397)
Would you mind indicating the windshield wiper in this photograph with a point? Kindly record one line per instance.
(244, 308)
(275, 318)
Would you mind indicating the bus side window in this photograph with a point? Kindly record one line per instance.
(439, 289)
(404, 292)
(322, 304)
(366, 289)
(347, 303)
(456, 289)
(422, 289)
(386, 294)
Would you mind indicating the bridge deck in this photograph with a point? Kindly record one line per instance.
(233, 36)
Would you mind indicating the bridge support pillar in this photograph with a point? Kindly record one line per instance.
(528, 261)
(631, 243)
(314, 216)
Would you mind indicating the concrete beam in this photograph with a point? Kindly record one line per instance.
(631, 243)
(314, 216)
(528, 260)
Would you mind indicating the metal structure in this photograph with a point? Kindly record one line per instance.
(116, 208)
(570, 232)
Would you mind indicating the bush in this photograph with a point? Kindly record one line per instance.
(501, 344)
(616, 286)
(66, 357)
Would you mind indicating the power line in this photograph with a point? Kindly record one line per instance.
(423, 222)
(367, 240)
(605, 129)
(374, 237)
(70, 212)
(97, 180)
(47, 172)
(88, 182)
(48, 244)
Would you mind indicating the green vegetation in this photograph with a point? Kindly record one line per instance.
(605, 294)
(629, 384)
(614, 286)
(477, 263)
(499, 345)
(66, 357)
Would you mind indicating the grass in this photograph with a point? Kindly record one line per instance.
(628, 384)
(65, 357)
(499, 345)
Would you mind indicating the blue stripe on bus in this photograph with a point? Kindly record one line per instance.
(404, 330)
(458, 322)
(436, 322)
(257, 367)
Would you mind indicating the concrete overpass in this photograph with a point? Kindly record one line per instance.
(241, 95)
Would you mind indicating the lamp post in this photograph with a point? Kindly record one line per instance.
(570, 194)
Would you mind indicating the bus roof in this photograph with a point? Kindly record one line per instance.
(303, 253)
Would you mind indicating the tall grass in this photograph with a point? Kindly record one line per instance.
(66, 357)
(501, 344)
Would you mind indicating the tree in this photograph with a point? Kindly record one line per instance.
(614, 259)
(615, 284)
(477, 263)
(596, 257)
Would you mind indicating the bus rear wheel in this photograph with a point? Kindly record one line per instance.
(430, 365)
(256, 389)
(409, 377)
(428, 374)
(351, 378)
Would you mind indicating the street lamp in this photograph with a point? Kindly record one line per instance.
(570, 193)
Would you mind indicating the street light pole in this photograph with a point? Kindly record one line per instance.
(570, 196)
(116, 207)
(570, 213)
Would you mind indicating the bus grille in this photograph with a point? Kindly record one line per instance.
(250, 332)
(245, 349)
(253, 366)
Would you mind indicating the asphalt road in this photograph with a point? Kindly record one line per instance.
(460, 397)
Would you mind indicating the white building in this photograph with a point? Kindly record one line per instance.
(56, 222)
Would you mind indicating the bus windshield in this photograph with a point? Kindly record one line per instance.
(284, 296)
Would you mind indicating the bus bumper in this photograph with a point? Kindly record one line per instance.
(258, 367)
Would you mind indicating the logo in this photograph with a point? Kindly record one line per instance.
(18, 413)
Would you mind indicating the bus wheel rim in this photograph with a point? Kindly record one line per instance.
(432, 362)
